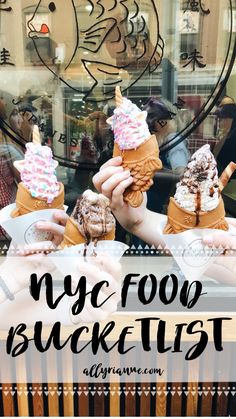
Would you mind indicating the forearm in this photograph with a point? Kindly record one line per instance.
(144, 225)
(148, 230)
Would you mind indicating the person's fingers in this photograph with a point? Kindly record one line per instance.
(50, 227)
(101, 177)
(61, 217)
(114, 161)
(220, 239)
(110, 184)
(117, 200)
(56, 230)
(40, 247)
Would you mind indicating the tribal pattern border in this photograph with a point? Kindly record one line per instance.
(137, 251)
(132, 389)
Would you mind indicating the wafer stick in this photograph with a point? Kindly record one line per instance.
(119, 98)
(36, 135)
(226, 175)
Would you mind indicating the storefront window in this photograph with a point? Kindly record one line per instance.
(64, 349)
(60, 62)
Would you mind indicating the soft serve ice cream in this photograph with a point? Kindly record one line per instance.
(197, 202)
(38, 173)
(129, 125)
(90, 221)
(137, 147)
(199, 187)
(93, 215)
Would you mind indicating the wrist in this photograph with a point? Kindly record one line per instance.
(136, 225)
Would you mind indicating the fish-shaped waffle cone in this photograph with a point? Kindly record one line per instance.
(180, 220)
(72, 236)
(143, 162)
(25, 203)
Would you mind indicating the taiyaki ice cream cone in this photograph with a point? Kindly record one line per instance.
(137, 147)
(198, 202)
(39, 188)
(90, 221)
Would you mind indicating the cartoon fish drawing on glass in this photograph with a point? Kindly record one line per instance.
(111, 41)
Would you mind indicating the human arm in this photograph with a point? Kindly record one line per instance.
(112, 181)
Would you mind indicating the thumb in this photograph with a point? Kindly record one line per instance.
(220, 240)
(40, 247)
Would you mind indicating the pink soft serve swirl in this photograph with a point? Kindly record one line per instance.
(129, 125)
(38, 173)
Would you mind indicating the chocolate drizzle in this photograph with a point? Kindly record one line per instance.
(211, 192)
(197, 190)
(85, 250)
(198, 207)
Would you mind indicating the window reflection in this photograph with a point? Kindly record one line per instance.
(68, 57)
